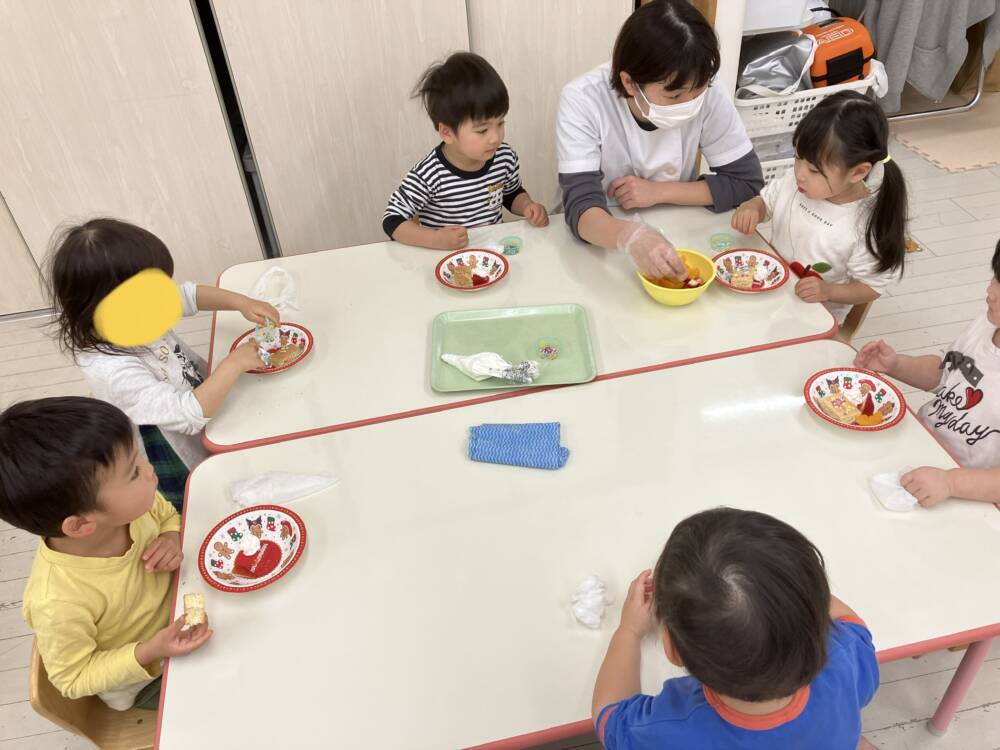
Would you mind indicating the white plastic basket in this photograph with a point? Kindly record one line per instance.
(780, 114)
(775, 168)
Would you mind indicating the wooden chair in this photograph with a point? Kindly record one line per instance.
(852, 322)
(89, 717)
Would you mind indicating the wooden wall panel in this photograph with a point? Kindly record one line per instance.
(325, 91)
(538, 47)
(109, 107)
(20, 290)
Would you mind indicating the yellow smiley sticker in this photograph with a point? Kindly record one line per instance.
(139, 310)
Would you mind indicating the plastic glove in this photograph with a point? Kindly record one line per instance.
(652, 253)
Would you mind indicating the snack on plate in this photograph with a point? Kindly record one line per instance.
(194, 610)
(288, 350)
(461, 275)
(838, 407)
(742, 278)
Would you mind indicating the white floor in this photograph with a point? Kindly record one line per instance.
(955, 218)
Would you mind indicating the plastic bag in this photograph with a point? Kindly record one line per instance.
(775, 64)
(277, 287)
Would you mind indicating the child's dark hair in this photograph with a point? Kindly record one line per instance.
(848, 129)
(51, 450)
(463, 87)
(665, 40)
(996, 262)
(745, 601)
(88, 262)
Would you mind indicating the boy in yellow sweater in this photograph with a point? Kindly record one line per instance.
(98, 594)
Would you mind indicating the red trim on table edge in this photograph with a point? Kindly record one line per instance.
(273, 370)
(857, 428)
(257, 586)
(515, 393)
(484, 251)
(788, 270)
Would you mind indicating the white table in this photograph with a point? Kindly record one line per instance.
(371, 308)
(430, 609)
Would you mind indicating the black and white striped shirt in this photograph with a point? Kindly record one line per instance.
(440, 194)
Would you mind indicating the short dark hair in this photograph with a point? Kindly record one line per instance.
(463, 87)
(745, 600)
(996, 262)
(665, 40)
(89, 261)
(51, 450)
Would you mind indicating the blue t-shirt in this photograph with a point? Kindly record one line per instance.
(825, 715)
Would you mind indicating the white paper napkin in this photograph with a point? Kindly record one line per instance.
(589, 602)
(890, 493)
(277, 487)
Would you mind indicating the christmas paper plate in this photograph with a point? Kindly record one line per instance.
(471, 270)
(252, 548)
(855, 399)
(750, 271)
(295, 343)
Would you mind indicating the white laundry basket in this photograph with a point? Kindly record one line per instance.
(775, 168)
(780, 114)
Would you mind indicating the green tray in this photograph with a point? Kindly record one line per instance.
(516, 334)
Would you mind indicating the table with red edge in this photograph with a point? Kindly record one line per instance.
(370, 310)
(431, 606)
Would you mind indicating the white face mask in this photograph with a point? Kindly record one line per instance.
(672, 115)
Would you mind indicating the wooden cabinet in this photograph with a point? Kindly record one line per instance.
(324, 88)
(109, 107)
(539, 47)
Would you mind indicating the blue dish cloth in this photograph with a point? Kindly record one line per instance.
(534, 445)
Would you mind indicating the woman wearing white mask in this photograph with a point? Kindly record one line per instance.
(630, 130)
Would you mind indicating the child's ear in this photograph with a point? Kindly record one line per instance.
(668, 648)
(859, 172)
(77, 527)
(446, 134)
(628, 83)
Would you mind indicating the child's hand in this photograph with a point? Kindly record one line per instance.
(172, 641)
(164, 552)
(245, 357)
(634, 192)
(746, 218)
(451, 238)
(637, 614)
(259, 312)
(811, 289)
(929, 485)
(877, 355)
(536, 214)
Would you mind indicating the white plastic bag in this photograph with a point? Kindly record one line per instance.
(277, 287)
(277, 487)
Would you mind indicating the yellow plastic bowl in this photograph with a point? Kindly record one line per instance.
(677, 297)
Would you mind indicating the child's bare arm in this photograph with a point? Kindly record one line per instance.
(212, 393)
(749, 214)
(931, 485)
(535, 213)
(254, 310)
(922, 372)
(619, 675)
(449, 238)
(812, 289)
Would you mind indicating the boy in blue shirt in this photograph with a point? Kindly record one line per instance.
(742, 602)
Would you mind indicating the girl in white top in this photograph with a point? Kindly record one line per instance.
(630, 130)
(964, 414)
(845, 243)
(163, 387)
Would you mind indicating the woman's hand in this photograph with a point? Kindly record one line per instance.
(652, 253)
(634, 192)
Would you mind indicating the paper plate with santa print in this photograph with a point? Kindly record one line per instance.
(252, 548)
(855, 399)
(294, 343)
(750, 271)
(471, 270)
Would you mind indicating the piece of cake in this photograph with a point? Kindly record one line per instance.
(194, 610)
(837, 407)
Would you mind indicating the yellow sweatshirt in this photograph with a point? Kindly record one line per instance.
(88, 613)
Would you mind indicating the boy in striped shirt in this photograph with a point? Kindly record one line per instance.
(472, 175)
